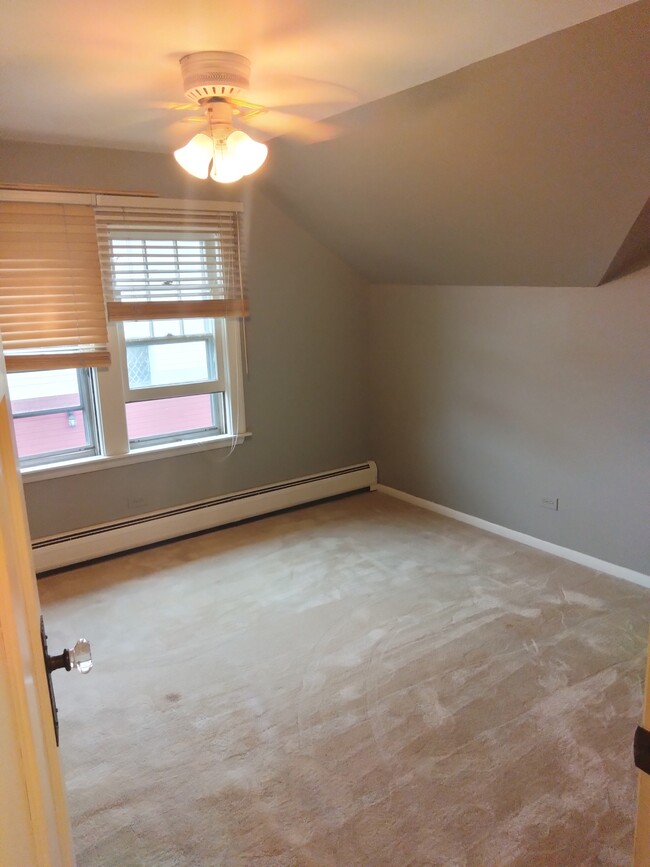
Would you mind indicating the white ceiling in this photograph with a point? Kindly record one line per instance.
(96, 73)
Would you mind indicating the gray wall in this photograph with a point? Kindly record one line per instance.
(305, 394)
(483, 399)
(486, 399)
(528, 168)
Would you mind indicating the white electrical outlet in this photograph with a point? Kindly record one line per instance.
(550, 503)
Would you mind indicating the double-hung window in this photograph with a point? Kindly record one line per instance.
(171, 318)
(174, 380)
(53, 324)
(175, 373)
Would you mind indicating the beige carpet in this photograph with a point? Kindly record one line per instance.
(355, 683)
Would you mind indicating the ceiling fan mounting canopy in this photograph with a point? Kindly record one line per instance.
(214, 74)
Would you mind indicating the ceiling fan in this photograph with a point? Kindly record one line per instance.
(215, 82)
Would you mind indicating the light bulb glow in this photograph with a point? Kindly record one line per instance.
(196, 155)
(248, 154)
(232, 153)
(224, 169)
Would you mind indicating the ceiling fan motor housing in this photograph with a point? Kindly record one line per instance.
(214, 74)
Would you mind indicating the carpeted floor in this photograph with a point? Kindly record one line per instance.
(355, 683)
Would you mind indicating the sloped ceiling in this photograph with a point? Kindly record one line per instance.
(529, 168)
(104, 73)
(634, 252)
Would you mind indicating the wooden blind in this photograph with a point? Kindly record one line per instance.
(52, 312)
(163, 262)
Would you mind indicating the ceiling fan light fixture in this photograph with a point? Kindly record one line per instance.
(196, 155)
(233, 153)
(213, 79)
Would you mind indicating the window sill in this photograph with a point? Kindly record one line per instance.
(152, 453)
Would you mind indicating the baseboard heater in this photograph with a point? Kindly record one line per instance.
(89, 543)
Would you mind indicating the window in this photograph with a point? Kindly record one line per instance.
(174, 379)
(174, 371)
(169, 370)
(54, 416)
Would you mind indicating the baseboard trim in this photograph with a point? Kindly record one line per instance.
(548, 547)
(89, 543)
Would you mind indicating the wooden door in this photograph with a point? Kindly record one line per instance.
(642, 837)
(34, 826)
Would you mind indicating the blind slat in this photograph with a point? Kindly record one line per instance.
(161, 264)
(52, 311)
(57, 361)
(132, 311)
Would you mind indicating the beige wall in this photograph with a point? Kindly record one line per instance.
(487, 399)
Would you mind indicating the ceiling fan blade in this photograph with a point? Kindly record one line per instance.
(174, 106)
(275, 90)
(279, 123)
(179, 129)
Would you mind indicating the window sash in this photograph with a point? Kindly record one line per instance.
(218, 413)
(86, 405)
(157, 392)
(55, 410)
(41, 460)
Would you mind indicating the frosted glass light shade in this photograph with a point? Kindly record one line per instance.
(225, 172)
(248, 154)
(233, 154)
(196, 155)
(235, 157)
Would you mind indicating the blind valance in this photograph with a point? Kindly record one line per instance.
(52, 312)
(163, 262)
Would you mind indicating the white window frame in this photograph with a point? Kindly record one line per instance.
(112, 391)
(216, 386)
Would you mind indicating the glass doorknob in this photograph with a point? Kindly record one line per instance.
(78, 657)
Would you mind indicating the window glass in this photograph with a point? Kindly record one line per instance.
(51, 410)
(137, 329)
(158, 364)
(167, 328)
(169, 352)
(139, 367)
(197, 326)
(160, 263)
(168, 418)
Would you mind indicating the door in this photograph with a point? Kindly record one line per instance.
(642, 837)
(34, 826)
